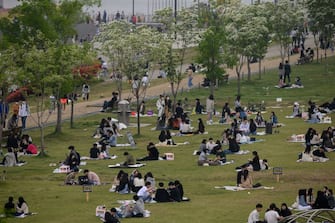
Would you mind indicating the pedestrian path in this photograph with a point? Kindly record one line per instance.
(83, 108)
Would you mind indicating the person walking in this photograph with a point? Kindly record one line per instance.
(287, 72)
(210, 109)
(85, 92)
(24, 112)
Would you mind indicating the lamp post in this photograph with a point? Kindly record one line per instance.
(133, 18)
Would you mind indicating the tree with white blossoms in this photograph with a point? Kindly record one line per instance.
(284, 17)
(322, 23)
(135, 51)
(247, 36)
(181, 32)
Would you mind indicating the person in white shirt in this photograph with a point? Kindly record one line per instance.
(272, 216)
(254, 215)
(244, 127)
(160, 106)
(24, 112)
(146, 192)
(145, 80)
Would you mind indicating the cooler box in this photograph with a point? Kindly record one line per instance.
(100, 211)
(169, 156)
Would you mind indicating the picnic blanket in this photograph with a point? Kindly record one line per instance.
(236, 188)
(242, 152)
(172, 145)
(251, 142)
(181, 134)
(119, 165)
(89, 158)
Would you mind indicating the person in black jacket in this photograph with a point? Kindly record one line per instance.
(174, 192)
(111, 216)
(161, 194)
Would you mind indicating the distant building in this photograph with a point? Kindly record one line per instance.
(8, 4)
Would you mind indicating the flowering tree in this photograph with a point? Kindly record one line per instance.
(181, 32)
(322, 16)
(247, 35)
(284, 17)
(134, 51)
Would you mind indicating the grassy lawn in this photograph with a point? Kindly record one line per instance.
(54, 202)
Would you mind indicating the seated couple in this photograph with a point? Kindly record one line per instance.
(133, 210)
(203, 160)
(316, 155)
(165, 137)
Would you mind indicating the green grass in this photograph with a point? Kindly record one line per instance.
(56, 203)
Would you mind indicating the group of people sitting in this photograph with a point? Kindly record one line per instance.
(317, 145)
(306, 199)
(99, 151)
(146, 194)
(107, 127)
(145, 187)
(20, 209)
(272, 215)
(18, 145)
(89, 178)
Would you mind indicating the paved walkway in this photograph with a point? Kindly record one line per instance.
(82, 108)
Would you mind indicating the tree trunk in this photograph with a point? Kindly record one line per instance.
(249, 69)
(59, 118)
(138, 114)
(72, 111)
(42, 152)
(238, 84)
(260, 68)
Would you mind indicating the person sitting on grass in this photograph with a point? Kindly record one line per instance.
(129, 159)
(146, 193)
(94, 151)
(153, 153)
(111, 216)
(185, 127)
(31, 149)
(201, 127)
(73, 159)
(174, 193)
(21, 208)
(254, 215)
(203, 159)
(9, 208)
(9, 159)
(161, 194)
(138, 209)
(71, 178)
(93, 178)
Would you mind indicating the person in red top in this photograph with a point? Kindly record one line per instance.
(31, 149)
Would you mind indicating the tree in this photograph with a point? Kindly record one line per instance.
(210, 48)
(322, 16)
(247, 36)
(134, 50)
(48, 71)
(284, 17)
(181, 33)
(8, 77)
(54, 21)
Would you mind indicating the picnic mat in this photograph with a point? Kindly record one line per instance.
(236, 188)
(119, 165)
